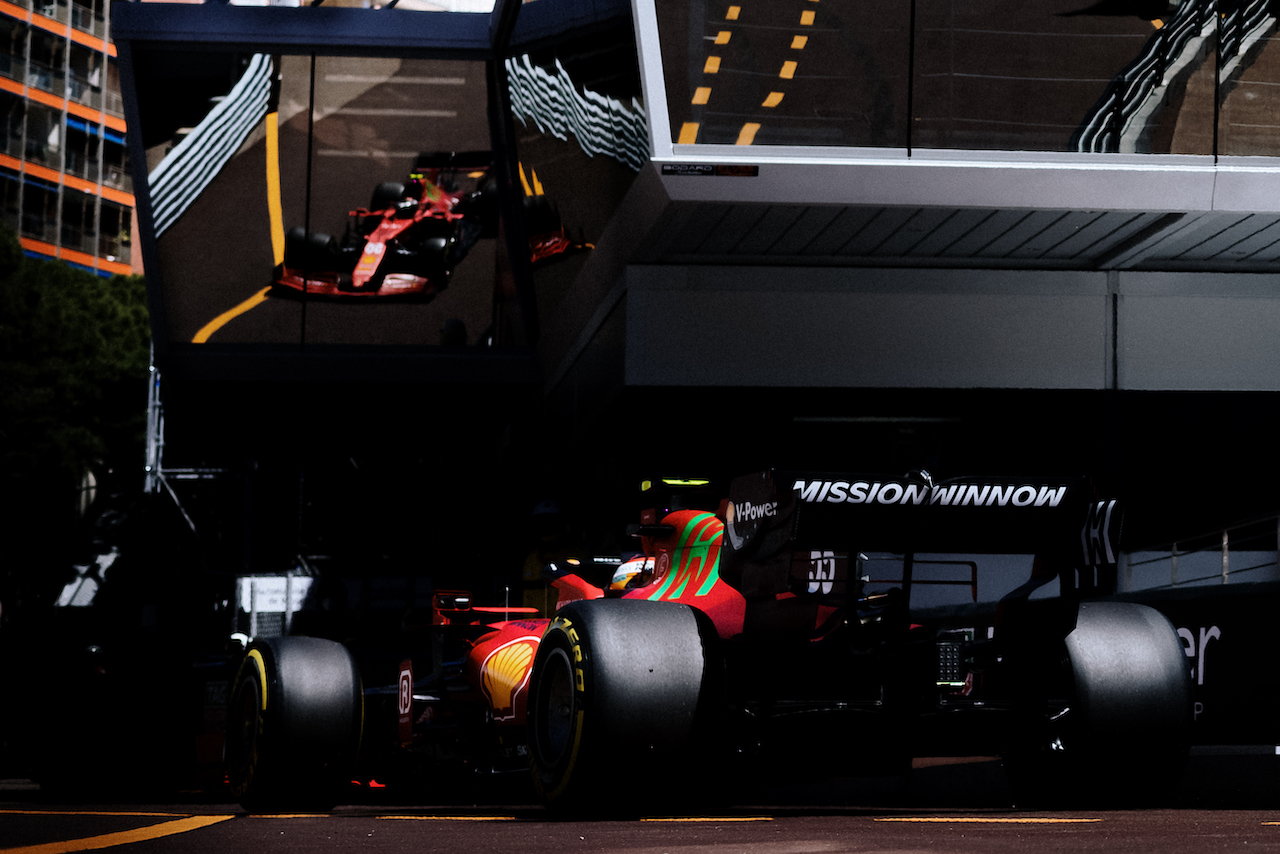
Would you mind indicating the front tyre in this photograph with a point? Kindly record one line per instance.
(293, 724)
(614, 700)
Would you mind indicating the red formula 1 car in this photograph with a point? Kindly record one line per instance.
(777, 634)
(412, 236)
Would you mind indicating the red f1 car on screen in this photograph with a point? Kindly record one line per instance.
(776, 633)
(412, 235)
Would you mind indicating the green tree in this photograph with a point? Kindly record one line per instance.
(73, 380)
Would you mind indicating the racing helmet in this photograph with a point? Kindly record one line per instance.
(636, 572)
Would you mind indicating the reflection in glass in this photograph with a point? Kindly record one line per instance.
(1249, 71)
(997, 74)
(786, 73)
(321, 200)
(582, 136)
(399, 239)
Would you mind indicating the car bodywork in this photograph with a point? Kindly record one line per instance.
(412, 236)
(759, 636)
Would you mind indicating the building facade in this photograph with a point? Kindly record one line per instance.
(63, 163)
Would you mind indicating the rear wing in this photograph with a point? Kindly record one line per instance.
(770, 515)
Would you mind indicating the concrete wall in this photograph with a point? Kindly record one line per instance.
(885, 328)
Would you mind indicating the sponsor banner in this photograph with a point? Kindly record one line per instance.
(976, 514)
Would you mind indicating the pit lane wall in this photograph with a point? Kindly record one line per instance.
(902, 328)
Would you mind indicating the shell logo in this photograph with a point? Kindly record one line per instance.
(505, 672)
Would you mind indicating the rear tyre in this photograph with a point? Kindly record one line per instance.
(614, 701)
(293, 725)
(1107, 719)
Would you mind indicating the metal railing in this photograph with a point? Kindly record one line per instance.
(84, 19)
(1243, 552)
(49, 79)
(117, 177)
(80, 89)
(82, 166)
(13, 67)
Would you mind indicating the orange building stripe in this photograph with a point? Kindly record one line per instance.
(118, 196)
(12, 86)
(39, 246)
(51, 175)
(15, 11)
(11, 162)
(79, 184)
(114, 267)
(40, 96)
(114, 123)
(75, 257)
(87, 40)
(49, 24)
(86, 113)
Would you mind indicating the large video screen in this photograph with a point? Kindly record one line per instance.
(302, 199)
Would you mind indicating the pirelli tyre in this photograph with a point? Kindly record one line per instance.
(1106, 717)
(293, 724)
(615, 700)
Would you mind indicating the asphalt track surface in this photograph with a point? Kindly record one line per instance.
(1228, 803)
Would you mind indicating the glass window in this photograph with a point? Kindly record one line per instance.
(1004, 74)
(48, 58)
(10, 184)
(115, 162)
(82, 149)
(84, 80)
(13, 49)
(77, 221)
(114, 232)
(776, 74)
(112, 102)
(44, 135)
(12, 109)
(88, 17)
(577, 161)
(40, 210)
(1249, 119)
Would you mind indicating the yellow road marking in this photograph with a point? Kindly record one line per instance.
(774, 99)
(274, 211)
(227, 316)
(524, 182)
(723, 36)
(748, 133)
(732, 14)
(806, 18)
(788, 69)
(799, 42)
(95, 812)
(975, 820)
(688, 133)
(713, 819)
(450, 817)
(712, 66)
(701, 95)
(537, 185)
(123, 837)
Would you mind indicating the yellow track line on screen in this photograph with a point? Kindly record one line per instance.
(274, 209)
(748, 133)
(123, 837)
(230, 314)
(975, 820)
